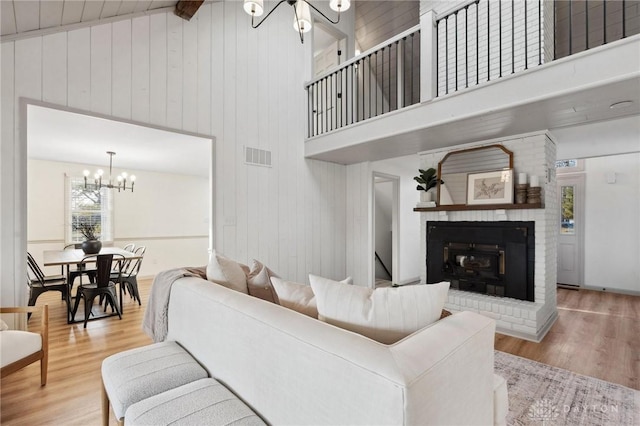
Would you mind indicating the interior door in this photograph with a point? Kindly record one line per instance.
(571, 230)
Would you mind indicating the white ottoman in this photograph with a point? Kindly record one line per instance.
(137, 374)
(200, 403)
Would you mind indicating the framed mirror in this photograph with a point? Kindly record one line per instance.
(455, 167)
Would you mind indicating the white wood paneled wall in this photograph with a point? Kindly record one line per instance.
(359, 219)
(215, 76)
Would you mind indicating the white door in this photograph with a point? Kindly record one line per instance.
(571, 229)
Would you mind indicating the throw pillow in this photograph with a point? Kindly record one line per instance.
(259, 282)
(295, 296)
(3, 326)
(226, 272)
(298, 297)
(385, 314)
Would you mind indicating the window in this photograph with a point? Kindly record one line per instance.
(88, 206)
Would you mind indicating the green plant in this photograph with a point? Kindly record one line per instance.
(88, 230)
(427, 179)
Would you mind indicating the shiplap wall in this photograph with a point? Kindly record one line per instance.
(215, 76)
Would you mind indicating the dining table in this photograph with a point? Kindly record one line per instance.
(66, 258)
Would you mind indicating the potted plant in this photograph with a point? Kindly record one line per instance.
(428, 179)
(91, 244)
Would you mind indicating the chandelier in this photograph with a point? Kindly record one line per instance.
(121, 180)
(301, 13)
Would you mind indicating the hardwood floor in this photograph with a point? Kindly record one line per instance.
(597, 334)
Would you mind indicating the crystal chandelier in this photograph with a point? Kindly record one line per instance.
(301, 13)
(97, 184)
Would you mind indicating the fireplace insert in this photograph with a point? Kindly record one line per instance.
(494, 258)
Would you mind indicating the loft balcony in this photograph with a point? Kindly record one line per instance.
(486, 70)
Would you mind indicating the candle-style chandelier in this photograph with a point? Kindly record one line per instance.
(301, 13)
(97, 184)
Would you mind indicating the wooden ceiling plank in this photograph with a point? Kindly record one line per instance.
(51, 13)
(27, 15)
(7, 18)
(92, 10)
(141, 6)
(72, 11)
(127, 7)
(110, 8)
(187, 8)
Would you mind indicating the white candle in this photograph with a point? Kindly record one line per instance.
(534, 181)
(522, 178)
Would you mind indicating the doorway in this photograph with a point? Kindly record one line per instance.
(173, 168)
(385, 228)
(571, 230)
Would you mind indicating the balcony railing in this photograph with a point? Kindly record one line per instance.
(479, 42)
(378, 81)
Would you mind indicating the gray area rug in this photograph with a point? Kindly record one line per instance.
(540, 394)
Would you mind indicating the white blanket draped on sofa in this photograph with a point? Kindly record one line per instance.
(155, 321)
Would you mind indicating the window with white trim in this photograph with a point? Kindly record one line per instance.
(88, 206)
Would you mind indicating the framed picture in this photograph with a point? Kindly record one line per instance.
(494, 187)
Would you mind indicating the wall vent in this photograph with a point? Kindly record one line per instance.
(257, 157)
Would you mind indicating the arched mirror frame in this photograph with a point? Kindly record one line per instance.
(487, 161)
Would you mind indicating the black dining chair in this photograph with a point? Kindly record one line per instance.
(39, 283)
(103, 286)
(81, 268)
(128, 278)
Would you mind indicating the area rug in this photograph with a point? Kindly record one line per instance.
(540, 394)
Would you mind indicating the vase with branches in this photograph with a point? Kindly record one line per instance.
(92, 243)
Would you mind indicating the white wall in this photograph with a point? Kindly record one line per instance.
(612, 223)
(213, 75)
(167, 213)
(359, 218)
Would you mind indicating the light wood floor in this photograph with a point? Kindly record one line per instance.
(597, 334)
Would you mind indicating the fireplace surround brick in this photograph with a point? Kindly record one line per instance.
(534, 154)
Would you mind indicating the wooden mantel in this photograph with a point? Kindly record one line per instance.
(464, 207)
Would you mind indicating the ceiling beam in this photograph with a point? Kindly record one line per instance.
(187, 8)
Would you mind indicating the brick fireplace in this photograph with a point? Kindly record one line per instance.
(527, 313)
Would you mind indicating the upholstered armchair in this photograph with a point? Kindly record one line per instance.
(21, 348)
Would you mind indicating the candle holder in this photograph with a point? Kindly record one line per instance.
(533, 195)
(521, 193)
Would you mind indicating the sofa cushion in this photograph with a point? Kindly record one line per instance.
(140, 373)
(226, 272)
(385, 314)
(295, 296)
(259, 282)
(203, 402)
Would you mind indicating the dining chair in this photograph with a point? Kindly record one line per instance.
(21, 348)
(129, 247)
(103, 286)
(81, 269)
(128, 278)
(39, 283)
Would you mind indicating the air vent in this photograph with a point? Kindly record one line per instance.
(257, 157)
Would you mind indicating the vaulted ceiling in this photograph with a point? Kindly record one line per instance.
(20, 16)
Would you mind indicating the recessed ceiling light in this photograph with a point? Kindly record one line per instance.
(621, 104)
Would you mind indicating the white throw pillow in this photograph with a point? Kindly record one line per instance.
(3, 326)
(298, 297)
(385, 314)
(227, 272)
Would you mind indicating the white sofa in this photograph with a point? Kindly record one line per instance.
(293, 369)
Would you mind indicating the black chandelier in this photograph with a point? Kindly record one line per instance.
(121, 180)
(301, 13)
